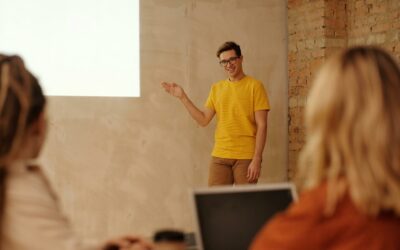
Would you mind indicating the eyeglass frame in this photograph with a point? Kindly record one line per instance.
(231, 60)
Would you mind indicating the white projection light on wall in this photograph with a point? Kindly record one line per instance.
(76, 47)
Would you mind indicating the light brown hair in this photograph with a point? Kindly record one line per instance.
(353, 130)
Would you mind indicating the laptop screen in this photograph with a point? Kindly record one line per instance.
(230, 217)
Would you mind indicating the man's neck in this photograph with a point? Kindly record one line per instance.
(237, 78)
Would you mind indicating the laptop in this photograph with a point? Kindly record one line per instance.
(228, 218)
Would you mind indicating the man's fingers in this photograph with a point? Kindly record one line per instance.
(169, 87)
(166, 84)
(252, 175)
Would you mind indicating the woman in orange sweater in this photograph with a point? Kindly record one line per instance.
(349, 171)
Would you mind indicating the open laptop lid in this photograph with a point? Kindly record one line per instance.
(229, 217)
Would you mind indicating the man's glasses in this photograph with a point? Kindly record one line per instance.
(230, 60)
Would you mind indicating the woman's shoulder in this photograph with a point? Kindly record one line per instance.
(293, 228)
(27, 181)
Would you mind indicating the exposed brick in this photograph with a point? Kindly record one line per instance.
(335, 42)
(379, 8)
(392, 36)
(294, 3)
(396, 25)
(376, 38)
(318, 52)
(340, 33)
(356, 41)
(359, 31)
(397, 47)
(380, 27)
(319, 28)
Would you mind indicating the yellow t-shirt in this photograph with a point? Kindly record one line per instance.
(235, 104)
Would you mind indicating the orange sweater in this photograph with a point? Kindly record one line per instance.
(304, 226)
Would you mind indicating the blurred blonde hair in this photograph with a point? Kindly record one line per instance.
(353, 130)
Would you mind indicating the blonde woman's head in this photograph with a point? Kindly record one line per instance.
(353, 129)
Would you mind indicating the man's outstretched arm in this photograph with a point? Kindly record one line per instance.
(203, 118)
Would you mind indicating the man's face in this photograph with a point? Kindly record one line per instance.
(231, 62)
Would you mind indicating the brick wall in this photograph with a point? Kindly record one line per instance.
(374, 22)
(318, 28)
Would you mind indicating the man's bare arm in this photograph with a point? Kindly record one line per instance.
(203, 118)
(261, 117)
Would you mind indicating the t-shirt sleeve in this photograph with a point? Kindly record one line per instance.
(210, 100)
(261, 101)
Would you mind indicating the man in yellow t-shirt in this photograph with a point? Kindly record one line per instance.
(241, 105)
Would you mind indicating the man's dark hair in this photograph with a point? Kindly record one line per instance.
(229, 46)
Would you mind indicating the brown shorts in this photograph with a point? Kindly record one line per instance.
(228, 171)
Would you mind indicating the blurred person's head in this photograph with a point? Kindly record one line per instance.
(22, 104)
(22, 118)
(352, 119)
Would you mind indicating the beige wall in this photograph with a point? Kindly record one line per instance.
(127, 164)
